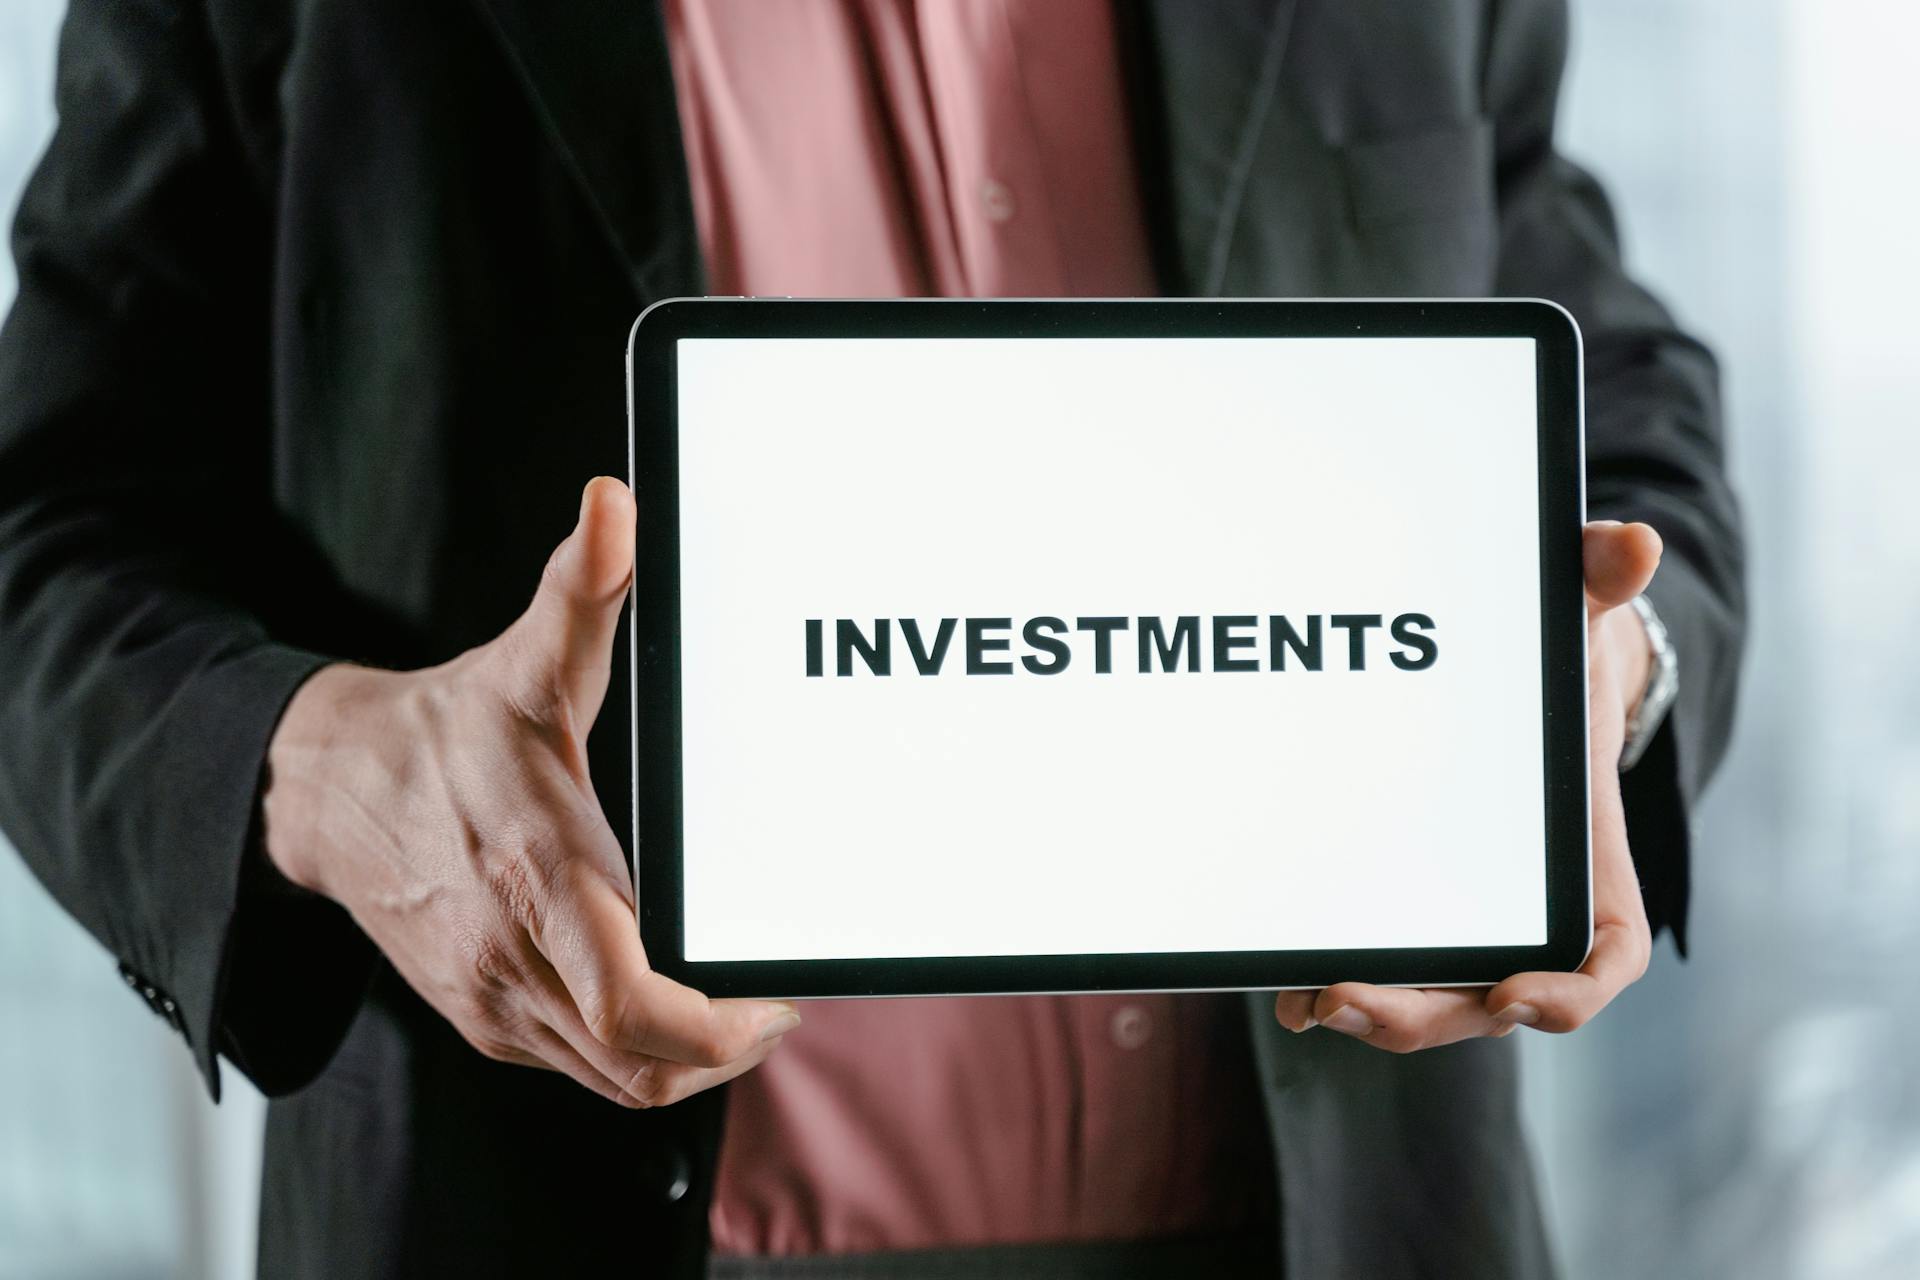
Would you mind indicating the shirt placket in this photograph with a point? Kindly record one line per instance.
(995, 169)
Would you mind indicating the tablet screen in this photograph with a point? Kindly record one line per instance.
(1040, 646)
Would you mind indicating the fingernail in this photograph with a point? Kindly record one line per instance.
(779, 1026)
(1308, 1025)
(1350, 1021)
(640, 1086)
(1519, 1011)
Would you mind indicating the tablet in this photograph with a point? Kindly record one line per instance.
(1050, 646)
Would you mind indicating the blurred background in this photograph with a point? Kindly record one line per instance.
(1752, 1112)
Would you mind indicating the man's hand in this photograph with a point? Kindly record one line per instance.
(1620, 560)
(450, 811)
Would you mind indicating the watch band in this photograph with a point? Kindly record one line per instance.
(1663, 685)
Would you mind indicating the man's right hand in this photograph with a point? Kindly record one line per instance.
(450, 811)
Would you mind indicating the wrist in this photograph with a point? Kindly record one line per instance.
(1632, 654)
(302, 764)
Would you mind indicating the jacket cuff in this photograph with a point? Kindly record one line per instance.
(296, 972)
(208, 764)
(1661, 790)
(1659, 835)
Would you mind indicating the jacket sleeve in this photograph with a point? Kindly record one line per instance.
(141, 557)
(1655, 443)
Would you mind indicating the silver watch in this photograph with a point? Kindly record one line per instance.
(1663, 684)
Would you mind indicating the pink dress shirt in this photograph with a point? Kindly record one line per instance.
(960, 148)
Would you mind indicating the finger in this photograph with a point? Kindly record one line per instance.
(1622, 942)
(538, 1047)
(1403, 1019)
(633, 1075)
(1294, 1010)
(556, 1053)
(1618, 561)
(1567, 1001)
(563, 643)
(675, 1081)
(641, 1079)
(594, 945)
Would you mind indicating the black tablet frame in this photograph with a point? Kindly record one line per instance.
(656, 726)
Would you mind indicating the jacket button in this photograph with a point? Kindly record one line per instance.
(667, 1173)
(162, 1004)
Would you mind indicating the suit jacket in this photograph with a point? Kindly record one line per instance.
(320, 325)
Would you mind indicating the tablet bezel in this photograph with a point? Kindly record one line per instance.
(653, 462)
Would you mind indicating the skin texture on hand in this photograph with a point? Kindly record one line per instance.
(451, 812)
(1620, 560)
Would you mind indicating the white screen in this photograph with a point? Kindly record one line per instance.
(958, 814)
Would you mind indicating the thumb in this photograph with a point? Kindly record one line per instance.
(1619, 560)
(563, 643)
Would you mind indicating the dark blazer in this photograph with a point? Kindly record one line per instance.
(320, 326)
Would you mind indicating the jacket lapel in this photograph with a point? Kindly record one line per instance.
(1203, 80)
(599, 77)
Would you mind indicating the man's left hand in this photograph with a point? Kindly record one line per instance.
(1619, 562)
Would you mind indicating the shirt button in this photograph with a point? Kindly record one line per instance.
(1132, 1026)
(996, 201)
